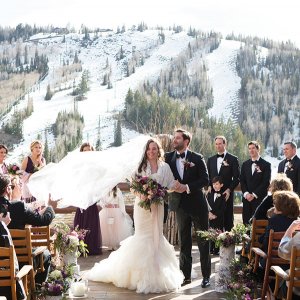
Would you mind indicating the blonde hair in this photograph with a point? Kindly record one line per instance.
(281, 183)
(35, 142)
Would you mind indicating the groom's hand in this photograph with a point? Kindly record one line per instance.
(182, 188)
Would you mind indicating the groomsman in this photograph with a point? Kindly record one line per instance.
(225, 165)
(291, 165)
(255, 180)
(190, 170)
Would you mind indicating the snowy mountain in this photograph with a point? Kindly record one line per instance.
(105, 103)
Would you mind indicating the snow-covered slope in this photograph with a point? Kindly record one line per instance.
(105, 102)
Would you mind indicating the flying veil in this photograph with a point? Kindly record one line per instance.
(82, 178)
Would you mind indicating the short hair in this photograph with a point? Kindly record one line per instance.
(35, 142)
(217, 179)
(221, 137)
(185, 134)
(287, 202)
(281, 183)
(3, 147)
(293, 144)
(86, 144)
(255, 143)
(4, 182)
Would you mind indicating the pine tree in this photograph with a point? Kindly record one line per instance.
(98, 142)
(49, 93)
(118, 133)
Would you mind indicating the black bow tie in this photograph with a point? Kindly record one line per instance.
(288, 160)
(182, 155)
(254, 161)
(220, 155)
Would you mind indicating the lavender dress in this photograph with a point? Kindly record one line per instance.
(89, 219)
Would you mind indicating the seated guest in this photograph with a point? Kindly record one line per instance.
(285, 249)
(21, 215)
(6, 241)
(280, 183)
(216, 201)
(286, 211)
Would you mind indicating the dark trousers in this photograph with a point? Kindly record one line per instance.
(228, 213)
(249, 209)
(185, 222)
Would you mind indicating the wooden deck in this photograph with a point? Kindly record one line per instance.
(98, 290)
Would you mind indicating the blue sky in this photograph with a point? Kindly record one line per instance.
(276, 19)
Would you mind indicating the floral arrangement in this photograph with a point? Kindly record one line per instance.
(149, 190)
(58, 282)
(227, 238)
(14, 169)
(241, 283)
(68, 240)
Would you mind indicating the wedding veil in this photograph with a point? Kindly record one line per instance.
(82, 178)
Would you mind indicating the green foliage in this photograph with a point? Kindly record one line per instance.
(49, 93)
(67, 130)
(118, 133)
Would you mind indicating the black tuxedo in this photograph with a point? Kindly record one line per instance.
(256, 183)
(217, 208)
(292, 172)
(20, 216)
(230, 173)
(192, 208)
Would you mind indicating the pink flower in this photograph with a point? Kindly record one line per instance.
(74, 233)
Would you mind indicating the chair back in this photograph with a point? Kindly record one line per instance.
(7, 270)
(294, 272)
(272, 258)
(257, 229)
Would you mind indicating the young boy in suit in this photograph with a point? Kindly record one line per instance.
(216, 200)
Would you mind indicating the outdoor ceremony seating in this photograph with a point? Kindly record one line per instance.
(8, 274)
(271, 259)
(291, 278)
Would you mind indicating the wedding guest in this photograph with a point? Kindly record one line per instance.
(227, 166)
(21, 215)
(89, 219)
(291, 165)
(286, 245)
(286, 211)
(31, 164)
(216, 200)
(145, 262)
(116, 225)
(255, 180)
(3, 154)
(279, 183)
(190, 170)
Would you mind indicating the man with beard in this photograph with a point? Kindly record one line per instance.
(190, 170)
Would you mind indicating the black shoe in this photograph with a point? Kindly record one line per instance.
(186, 281)
(239, 251)
(205, 283)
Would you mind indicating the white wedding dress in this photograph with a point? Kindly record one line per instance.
(145, 262)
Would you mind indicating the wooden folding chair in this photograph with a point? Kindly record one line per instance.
(22, 243)
(8, 275)
(292, 278)
(271, 258)
(257, 229)
(40, 236)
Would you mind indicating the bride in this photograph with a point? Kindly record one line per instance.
(145, 262)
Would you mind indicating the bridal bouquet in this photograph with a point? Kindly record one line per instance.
(14, 169)
(149, 190)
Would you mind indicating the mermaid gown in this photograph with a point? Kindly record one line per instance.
(145, 262)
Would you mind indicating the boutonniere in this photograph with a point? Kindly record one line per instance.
(257, 168)
(187, 164)
(224, 163)
(218, 195)
(289, 166)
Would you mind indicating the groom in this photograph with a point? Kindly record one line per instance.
(190, 170)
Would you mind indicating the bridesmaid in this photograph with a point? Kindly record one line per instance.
(31, 164)
(3, 154)
(89, 219)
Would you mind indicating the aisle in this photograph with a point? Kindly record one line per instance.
(191, 291)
